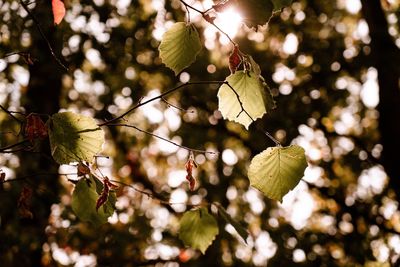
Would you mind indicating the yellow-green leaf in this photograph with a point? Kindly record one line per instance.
(74, 137)
(252, 94)
(277, 170)
(84, 199)
(180, 46)
(198, 229)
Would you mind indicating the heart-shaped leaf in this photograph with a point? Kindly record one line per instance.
(180, 46)
(277, 170)
(74, 137)
(58, 10)
(198, 229)
(252, 93)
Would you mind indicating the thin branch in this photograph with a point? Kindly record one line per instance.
(176, 107)
(10, 113)
(191, 7)
(24, 5)
(204, 13)
(23, 178)
(164, 139)
(4, 149)
(150, 195)
(155, 98)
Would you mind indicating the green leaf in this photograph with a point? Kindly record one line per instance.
(180, 46)
(279, 4)
(252, 94)
(84, 199)
(277, 170)
(198, 229)
(74, 137)
(228, 219)
(255, 12)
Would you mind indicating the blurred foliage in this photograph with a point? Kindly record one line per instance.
(314, 56)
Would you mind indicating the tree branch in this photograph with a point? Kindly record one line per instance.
(164, 139)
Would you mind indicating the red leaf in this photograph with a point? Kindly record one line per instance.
(35, 128)
(189, 169)
(209, 18)
(58, 11)
(234, 59)
(104, 194)
(83, 169)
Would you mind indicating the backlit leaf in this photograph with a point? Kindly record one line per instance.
(180, 46)
(198, 229)
(252, 94)
(84, 200)
(277, 170)
(74, 137)
(58, 10)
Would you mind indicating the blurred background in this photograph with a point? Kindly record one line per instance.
(333, 68)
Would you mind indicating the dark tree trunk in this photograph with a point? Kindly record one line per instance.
(385, 56)
(42, 96)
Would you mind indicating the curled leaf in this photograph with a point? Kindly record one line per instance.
(209, 18)
(107, 185)
(189, 169)
(83, 169)
(58, 11)
(234, 59)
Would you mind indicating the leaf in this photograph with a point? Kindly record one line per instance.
(251, 92)
(234, 59)
(255, 12)
(198, 229)
(74, 137)
(279, 4)
(277, 170)
(189, 171)
(180, 46)
(84, 199)
(35, 128)
(228, 219)
(58, 11)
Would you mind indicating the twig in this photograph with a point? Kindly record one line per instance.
(4, 149)
(155, 98)
(164, 139)
(150, 195)
(203, 13)
(43, 35)
(10, 113)
(22, 178)
(176, 107)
